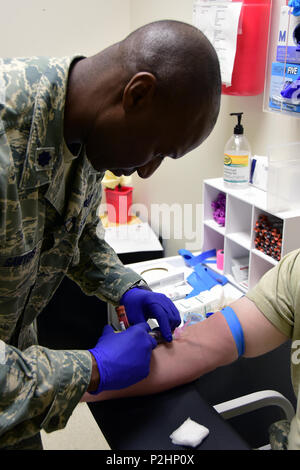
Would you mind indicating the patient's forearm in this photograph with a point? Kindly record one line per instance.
(200, 348)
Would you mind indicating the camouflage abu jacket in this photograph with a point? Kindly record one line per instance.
(48, 221)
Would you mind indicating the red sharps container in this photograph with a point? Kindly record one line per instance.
(248, 77)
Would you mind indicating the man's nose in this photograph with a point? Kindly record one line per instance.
(147, 170)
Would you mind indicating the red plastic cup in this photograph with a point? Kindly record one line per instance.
(118, 202)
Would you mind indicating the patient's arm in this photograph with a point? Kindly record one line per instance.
(202, 348)
(260, 334)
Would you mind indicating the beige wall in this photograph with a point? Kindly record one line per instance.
(61, 27)
(181, 181)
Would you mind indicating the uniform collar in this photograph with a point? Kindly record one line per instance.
(47, 153)
(68, 156)
(44, 155)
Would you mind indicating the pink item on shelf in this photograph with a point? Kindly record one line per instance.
(220, 259)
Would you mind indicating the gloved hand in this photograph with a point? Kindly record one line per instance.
(141, 304)
(123, 358)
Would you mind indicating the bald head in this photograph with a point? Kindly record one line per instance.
(155, 94)
(182, 59)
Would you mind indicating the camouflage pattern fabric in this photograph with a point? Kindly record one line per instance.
(33, 443)
(48, 220)
(278, 433)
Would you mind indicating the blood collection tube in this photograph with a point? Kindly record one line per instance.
(124, 323)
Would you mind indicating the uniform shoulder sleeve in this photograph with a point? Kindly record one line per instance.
(39, 389)
(278, 292)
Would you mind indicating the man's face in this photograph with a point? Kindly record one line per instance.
(140, 142)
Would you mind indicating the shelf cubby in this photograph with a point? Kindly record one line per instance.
(237, 237)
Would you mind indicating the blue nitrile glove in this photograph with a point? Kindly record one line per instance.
(123, 358)
(141, 304)
(296, 7)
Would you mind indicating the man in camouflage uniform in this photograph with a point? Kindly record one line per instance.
(63, 122)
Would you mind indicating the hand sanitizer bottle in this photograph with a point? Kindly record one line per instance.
(237, 156)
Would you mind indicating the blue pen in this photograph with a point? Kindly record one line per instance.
(253, 165)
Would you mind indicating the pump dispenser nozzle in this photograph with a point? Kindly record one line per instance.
(238, 128)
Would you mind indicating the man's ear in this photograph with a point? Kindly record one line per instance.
(139, 91)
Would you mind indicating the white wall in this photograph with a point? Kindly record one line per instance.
(181, 181)
(61, 27)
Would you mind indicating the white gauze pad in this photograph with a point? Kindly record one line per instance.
(189, 433)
